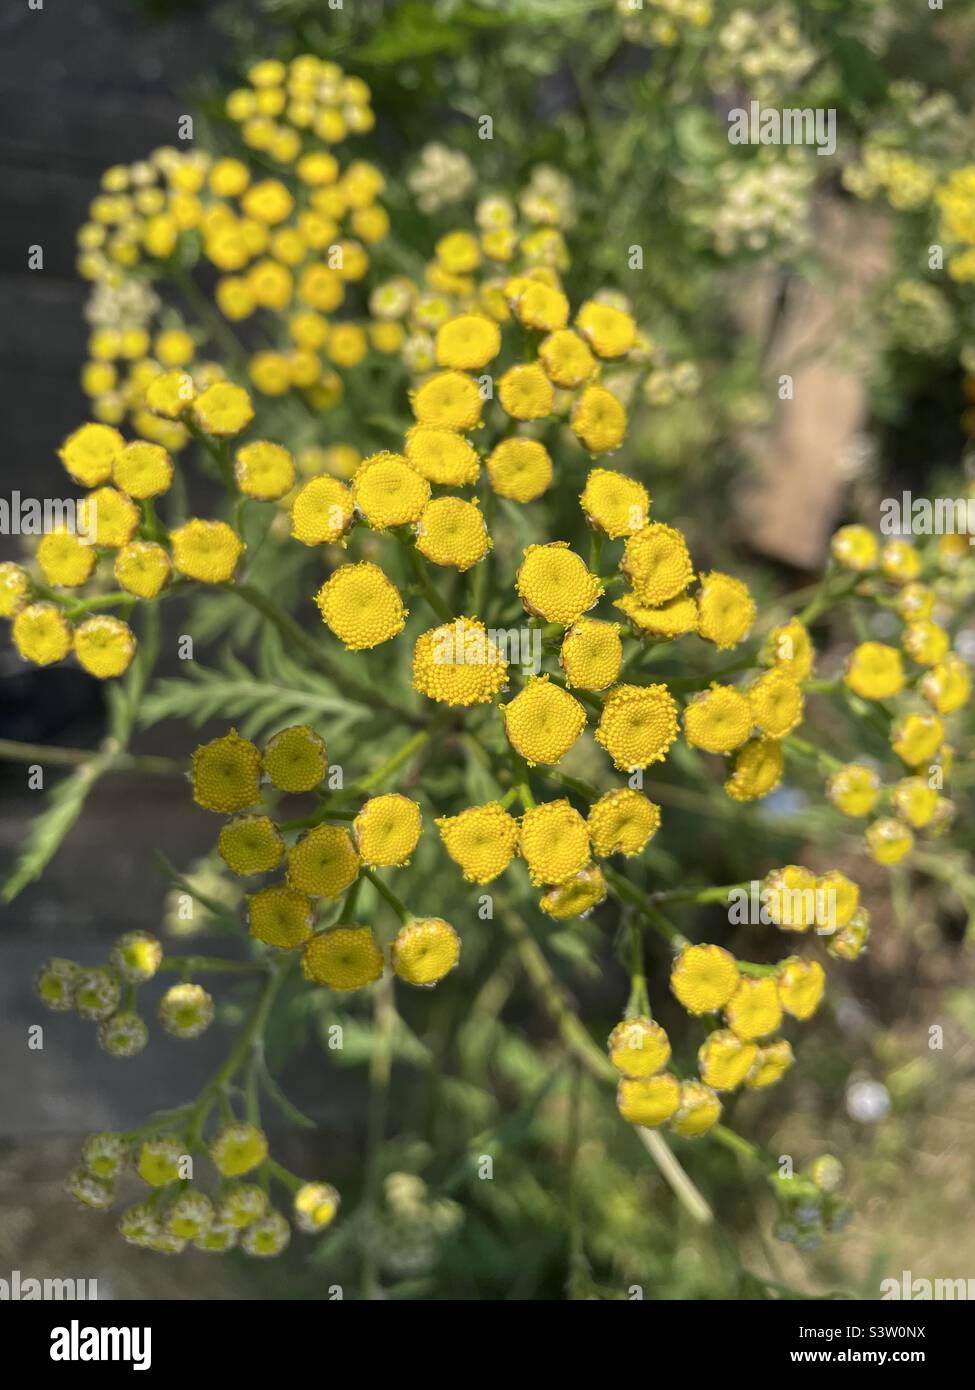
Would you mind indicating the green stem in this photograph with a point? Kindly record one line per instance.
(252, 1031)
(367, 695)
(198, 965)
(580, 1044)
(120, 761)
(380, 1071)
(415, 562)
(384, 891)
(644, 904)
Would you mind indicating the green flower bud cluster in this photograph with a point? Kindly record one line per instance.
(178, 1213)
(105, 994)
(811, 1204)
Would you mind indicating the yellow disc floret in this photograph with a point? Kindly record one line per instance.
(543, 721)
(458, 663)
(425, 950)
(104, 645)
(451, 531)
(638, 724)
(227, 774)
(555, 584)
(295, 759)
(554, 842)
(704, 978)
(361, 606)
(343, 958)
(387, 830)
(206, 550)
(481, 839)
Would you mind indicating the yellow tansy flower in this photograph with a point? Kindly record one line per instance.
(757, 771)
(648, 1101)
(459, 664)
(441, 456)
(226, 774)
(520, 469)
(323, 862)
(638, 724)
(41, 634)
(143, 470)
(555, 584)
(451, 531)
(361, 606)
(295, 759)
(448, 401)
(425, 950)
(754, 1010)
(142, 568)
(344, 958)
(206, 550)
(854, 788)
(725, 610)
(264, 470)
(90, 452)
(481, 839)
(388, 491)
(223, 410)
(616, 504)
(800, 985)
(576, 896)
(657, 563)
(322, 511)
(638, 1047)
(387, 830)
(554, 842)
(598, 420)
(251, 845)
(609, 331)
(65, 559)
(699, 1110)
(591, 654)
(725, 1060)
(543, 721)
(704, 978)
(467, 342)
(875, 671)
(104, 645)
(776, 702)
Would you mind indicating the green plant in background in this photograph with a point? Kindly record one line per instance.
(428, 426)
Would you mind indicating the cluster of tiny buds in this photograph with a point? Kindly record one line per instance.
(178, 1214)
(106, 994)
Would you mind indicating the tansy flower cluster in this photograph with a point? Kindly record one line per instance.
(323, 860)
(289, 245)
(117, 532)
(918, 686)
